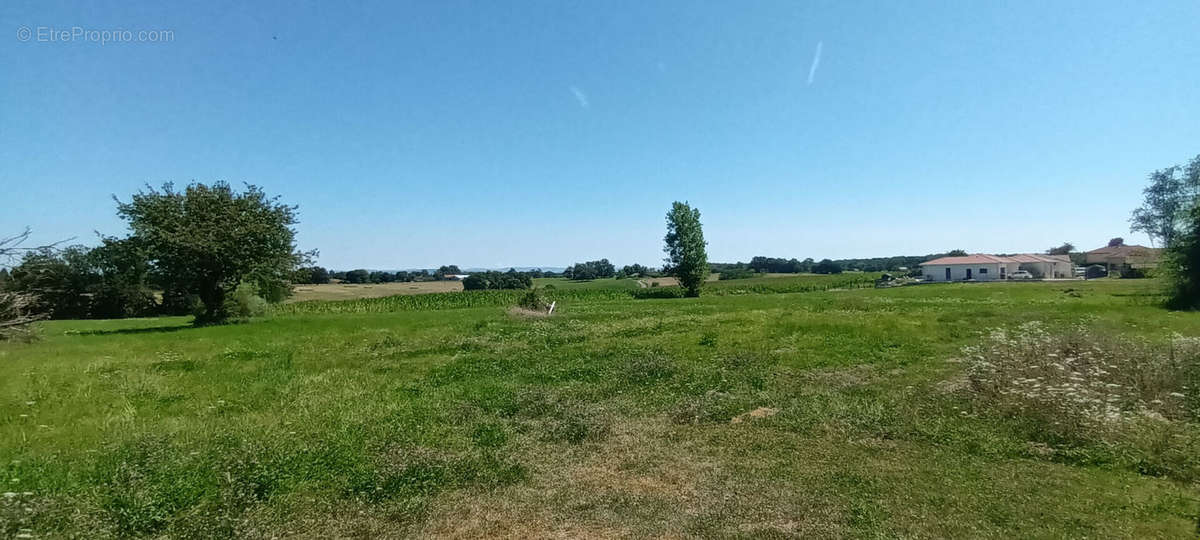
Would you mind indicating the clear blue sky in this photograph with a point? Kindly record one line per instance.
(543, 133)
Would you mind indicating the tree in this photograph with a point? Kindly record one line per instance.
(593, 270)
(1064, 249)
(635, 270)
(956, 253)
(126, 280)
(497, 280)
(827, 266)
(686, 258)
(208, 239)
(312, 274)
(1167, 202)
(358, 276)
(1182, 264)
(446, 270)
(60, 280)
(1116, 242)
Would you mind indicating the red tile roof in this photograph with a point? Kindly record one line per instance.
(1035, 258)
(1123, 250)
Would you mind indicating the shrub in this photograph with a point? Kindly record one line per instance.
(533, 300)
(245, 303)
(1095, 271)
(1087, 392)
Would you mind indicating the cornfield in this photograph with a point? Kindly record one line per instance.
(497, 298)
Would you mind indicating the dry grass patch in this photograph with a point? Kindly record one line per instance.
(633, 483)
(526, 313)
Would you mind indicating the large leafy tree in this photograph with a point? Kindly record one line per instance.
(1168, 201)
(208, 239)
(686, 258)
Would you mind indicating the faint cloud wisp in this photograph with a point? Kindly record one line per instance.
(812, 71)
(581, 97)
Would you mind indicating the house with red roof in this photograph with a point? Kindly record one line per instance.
(1119, 256)
(981, 267)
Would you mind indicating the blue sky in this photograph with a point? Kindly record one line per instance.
(543, 133)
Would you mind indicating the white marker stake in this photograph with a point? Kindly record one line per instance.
(551, 312)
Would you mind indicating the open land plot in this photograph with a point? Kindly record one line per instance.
(613, 418)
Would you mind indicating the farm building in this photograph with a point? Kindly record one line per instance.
(980, 267)
(1116, 257)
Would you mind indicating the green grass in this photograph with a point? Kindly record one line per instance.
(390, 417)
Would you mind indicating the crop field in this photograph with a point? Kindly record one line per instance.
(349, 291)
(812, 407)
(564, 283)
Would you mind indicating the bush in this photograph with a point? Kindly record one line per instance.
(245, 303)
(533, 300)
(1095, 271)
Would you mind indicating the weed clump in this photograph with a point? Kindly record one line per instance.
(1095, 397)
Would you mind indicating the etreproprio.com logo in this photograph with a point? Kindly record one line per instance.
(52, 34)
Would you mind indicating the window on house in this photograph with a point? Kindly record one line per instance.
(983, 270)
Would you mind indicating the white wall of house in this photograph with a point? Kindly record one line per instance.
(1058, 269)
(958, 272)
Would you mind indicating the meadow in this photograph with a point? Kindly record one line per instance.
(809, 406)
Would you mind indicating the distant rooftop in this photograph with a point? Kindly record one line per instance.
(981, 258)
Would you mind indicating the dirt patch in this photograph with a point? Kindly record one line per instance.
(761, 412)
(630, 485)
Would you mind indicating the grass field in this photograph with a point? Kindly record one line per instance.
(617, 417)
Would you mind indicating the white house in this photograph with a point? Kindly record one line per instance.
(980, 267)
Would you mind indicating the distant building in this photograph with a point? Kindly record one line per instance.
(1117, 257)
(457, 277)
(980, 267)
